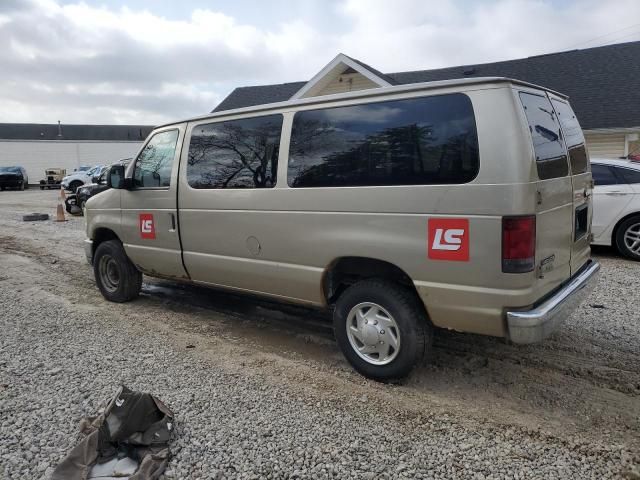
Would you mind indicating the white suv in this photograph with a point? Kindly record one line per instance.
(77, 179)
(616, 205)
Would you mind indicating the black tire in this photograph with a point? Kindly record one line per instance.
(22, 187)
(73, 186)
(35, 217)
(1, 189)
(406, 309)
(41, 187)
(629, 226)
(117, 278)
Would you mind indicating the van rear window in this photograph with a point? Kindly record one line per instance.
(418, 141)
(573, 137)
(546, 135)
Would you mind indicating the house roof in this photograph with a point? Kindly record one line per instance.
(50, 131)
(383, 76)
(339, 65)
(602, 83)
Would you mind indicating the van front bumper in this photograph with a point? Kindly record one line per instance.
(531, 326)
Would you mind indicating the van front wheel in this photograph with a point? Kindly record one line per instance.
(381, 329)
(117, 278)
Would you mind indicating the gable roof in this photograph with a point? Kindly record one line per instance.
(49, 131)
(337, 67)
(387, 78)
(603, 83)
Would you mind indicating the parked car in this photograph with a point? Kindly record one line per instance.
(461, 204)
(53, 178)
(78, 178)
(616, 205)
(75, 203)
(13, 177)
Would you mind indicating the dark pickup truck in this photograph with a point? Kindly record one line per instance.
(13, 177)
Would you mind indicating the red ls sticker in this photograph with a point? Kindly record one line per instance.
(147, 227)
(448, 239)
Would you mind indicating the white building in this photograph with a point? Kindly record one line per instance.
(37, 147)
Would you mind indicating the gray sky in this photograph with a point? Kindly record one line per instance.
(148, 62)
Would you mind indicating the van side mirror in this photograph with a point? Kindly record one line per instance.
(115, 177)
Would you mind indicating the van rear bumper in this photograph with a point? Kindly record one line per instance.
(531, 326)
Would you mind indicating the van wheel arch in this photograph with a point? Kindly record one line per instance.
(102, 235)
(346, 271)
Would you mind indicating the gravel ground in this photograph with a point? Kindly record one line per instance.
(260, 390)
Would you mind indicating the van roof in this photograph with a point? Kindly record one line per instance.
(364, 94)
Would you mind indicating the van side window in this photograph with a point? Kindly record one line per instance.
(545, 131)
(235, 154)
(155, 162)
(418, 141)
(573, 137)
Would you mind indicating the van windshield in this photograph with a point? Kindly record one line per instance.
(546, 135)
(10, 169)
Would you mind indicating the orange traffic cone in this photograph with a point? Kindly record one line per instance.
(60, 210)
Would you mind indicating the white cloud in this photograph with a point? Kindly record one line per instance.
(413, 34)
(82, 63)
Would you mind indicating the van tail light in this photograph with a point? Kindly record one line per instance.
(518, 244)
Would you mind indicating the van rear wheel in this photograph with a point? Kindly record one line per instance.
(381, 329)
(116, 276)
(628, 238)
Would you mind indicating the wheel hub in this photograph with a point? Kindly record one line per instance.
(370, 335)
(109, 273)
(632, 238)
(373, 333)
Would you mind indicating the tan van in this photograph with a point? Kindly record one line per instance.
(462, 204)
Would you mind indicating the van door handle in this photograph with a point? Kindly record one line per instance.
(173, 222)
(615, 193)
